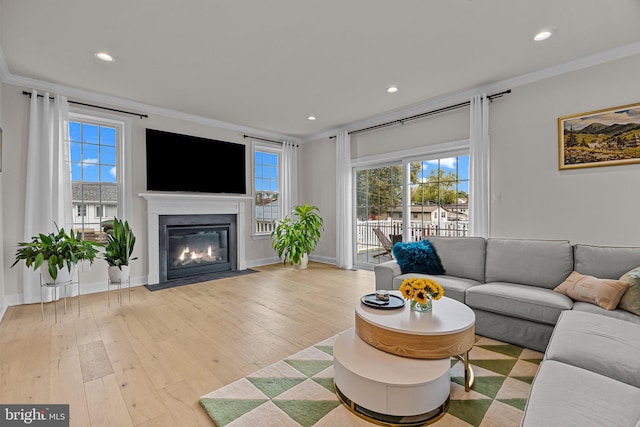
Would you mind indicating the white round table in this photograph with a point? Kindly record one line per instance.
(395, 363)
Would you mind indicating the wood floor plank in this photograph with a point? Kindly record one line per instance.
(147, 362)
(105, 403)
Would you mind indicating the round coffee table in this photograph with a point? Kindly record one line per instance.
(376, 359)
(448, 330)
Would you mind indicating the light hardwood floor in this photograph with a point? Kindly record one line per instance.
(147, 362)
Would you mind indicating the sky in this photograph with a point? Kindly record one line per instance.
(93, 152)
(458, 165)
(622, 116)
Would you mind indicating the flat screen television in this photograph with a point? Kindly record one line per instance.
(187, 163)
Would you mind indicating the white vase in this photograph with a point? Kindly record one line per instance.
(64, 275)
(119, 274)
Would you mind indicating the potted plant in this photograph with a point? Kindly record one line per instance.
(56, 251)
(294, 239)
(117, 253)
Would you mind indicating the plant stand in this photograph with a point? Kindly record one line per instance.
(119, 284)
(56, 287)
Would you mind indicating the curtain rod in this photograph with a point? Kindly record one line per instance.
(264, 139)
(421, 115)
(142, 116)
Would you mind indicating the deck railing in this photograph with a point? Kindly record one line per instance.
(366, 239)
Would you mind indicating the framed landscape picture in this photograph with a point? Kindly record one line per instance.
(600, 138)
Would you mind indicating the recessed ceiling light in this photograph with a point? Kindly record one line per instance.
(311, 118)
(542, 35)
(392, 89)
(104, 56)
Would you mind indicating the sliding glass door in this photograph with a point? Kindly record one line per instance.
(438, 203)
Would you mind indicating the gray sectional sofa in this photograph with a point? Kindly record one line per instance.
(509, 283)
(590, 374)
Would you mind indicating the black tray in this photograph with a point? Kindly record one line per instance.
(393, 303)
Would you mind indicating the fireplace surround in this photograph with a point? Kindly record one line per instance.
(165, 204)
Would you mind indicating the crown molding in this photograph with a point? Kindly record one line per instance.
(545, 73)
(616, 53)
(114, 101)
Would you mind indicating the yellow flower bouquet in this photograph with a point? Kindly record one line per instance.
(421, 292)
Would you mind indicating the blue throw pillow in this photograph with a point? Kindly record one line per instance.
(417, 257)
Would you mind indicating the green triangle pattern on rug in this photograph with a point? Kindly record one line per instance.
(506, 349)
(306, 412)
(326, 348)
(273, 387)
(470, 411)
(223, 411)
(310, 367)
(297, 402)
(500, 366)
(326, 383)
(516, 403)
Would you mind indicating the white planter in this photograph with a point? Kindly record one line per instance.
(64, 275)
(304, 262)
(119, 274)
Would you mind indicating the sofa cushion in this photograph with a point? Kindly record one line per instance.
(600, 344)
(606, 262)
(454, 287)
(616, 314)
(604, 292)
(462, 256)
(565, 395)
(522, 301)
(417, 257)
(631, 299)
(541, 263)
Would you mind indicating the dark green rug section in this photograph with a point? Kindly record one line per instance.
(299, 391)
(223, 411)
(306, 412)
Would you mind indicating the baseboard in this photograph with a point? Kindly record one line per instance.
(85, 289)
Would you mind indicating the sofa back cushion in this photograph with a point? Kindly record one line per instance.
(461, 256)
(543, 263)
(606, 262)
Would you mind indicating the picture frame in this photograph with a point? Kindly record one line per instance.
(606, 137)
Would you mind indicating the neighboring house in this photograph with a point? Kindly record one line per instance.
(92, 204)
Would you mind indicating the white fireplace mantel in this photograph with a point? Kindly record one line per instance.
(190, 204)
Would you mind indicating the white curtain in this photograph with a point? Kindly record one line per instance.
(289, 192)
(344, 202)
(479, 165)
(48, 182)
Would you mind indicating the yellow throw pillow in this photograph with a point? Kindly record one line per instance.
(603, 292)
(630, 301)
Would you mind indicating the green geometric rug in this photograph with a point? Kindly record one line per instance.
(298, 391)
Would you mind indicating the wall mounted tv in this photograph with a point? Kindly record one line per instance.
(178, 162)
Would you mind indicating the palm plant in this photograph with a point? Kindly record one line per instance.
(293, 239)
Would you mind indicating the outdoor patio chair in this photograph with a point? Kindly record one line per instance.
(386, 243)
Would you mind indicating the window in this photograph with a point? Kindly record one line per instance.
(437, 205)
(440, 185)
(266, 187)
(94, 163)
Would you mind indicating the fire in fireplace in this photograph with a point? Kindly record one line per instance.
(192, 245)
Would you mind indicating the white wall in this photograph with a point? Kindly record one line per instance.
(531, 198)
(15, 107)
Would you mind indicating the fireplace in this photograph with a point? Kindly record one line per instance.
(179, 204)
(194, 245)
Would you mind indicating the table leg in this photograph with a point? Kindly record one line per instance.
(468, 371)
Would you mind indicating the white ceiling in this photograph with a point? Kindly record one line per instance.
(268, 65)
